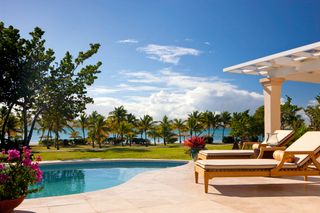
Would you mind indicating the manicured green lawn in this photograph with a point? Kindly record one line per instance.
(172, 151)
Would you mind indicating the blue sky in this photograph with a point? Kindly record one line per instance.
(166, 57)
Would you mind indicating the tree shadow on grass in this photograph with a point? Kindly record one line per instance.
(118, 150)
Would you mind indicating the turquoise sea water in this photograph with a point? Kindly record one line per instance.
(64, 179)
(66, 135)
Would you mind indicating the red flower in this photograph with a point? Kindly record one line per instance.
(195, 142)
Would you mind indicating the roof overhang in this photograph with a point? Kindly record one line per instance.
(299, 64)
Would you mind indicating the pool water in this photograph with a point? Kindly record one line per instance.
(73, 178)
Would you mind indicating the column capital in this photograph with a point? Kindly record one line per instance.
(271, 81)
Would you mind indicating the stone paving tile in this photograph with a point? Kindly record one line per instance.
(173, 190)
(77, 208)
(111, 205)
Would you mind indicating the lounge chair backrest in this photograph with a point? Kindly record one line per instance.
(310, 141)
(282, 136)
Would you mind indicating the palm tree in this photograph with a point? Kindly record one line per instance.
(98, 129)
(193, 122)
(178, 124)
(118, 114)
(154, 133)
(45, 125)
(225, 121)
(146, 123)
(165, 129)
(206, 120)
(13, 126)
(91, 124)
(83, 121)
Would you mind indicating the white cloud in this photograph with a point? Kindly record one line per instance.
(167, 54)
(140, 77)
(177, 94)
(128, 41)
(207, 43)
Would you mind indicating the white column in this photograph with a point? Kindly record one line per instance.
(272, 95)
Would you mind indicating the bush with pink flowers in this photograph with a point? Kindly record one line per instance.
(18, 171)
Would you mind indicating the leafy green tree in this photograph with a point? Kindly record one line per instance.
(24, 64)
(67, 83)
(313, 112)
(290, 119)
(41, 87)
(259, 121)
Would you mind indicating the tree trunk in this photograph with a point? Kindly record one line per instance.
(179, 136)
(48, 144)
(3, 131)
(32, 127)
(25, 124)
(83, 134)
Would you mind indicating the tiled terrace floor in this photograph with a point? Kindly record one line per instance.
(173, 190)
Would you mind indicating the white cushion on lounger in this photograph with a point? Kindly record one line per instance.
(226, 152)
(310, 141)
(242, 164)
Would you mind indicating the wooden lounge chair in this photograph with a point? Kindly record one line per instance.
(283, 136)
(306, 150)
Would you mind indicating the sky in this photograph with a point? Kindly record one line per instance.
(167, 57)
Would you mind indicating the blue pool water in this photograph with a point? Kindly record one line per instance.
(63, 179)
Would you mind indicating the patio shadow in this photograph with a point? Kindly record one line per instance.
(267, 190)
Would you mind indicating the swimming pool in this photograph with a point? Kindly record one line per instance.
(73, 178)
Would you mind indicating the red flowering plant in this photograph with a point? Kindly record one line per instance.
(195, 144)
(18, 171)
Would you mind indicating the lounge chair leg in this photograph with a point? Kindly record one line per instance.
(196, 176)
(305, 178)
(206, 183)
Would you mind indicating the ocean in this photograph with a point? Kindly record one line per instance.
(66, 135)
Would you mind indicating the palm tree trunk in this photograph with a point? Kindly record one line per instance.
(179, 136)
(145, 138)
(57, 140)
(223, 132)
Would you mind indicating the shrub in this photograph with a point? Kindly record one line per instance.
(208, 139)
(228, 139)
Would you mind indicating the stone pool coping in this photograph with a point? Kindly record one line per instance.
(92, 160)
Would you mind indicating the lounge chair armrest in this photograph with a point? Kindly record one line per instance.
(265, 149)
(286, 153)
(249, 143)
(299, 152)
